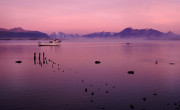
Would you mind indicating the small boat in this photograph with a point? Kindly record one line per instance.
(55, 42)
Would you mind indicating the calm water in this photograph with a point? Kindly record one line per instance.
(75, 82)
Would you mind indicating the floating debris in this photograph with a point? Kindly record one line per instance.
(106, 84)
(113, 86)
(91, 100)
(92, 93)
(130, 72)
(155, 94)
(18, 61)
(97, 62)
(127, 43)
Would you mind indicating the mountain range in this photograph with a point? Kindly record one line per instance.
(20, 33)
(134, 33)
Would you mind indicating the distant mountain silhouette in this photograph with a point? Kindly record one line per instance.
(18, 29)
(135, 33)
(20, 33)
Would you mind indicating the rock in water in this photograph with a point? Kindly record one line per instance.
(144, 99)
(130, 72)
(97, 62)
(132, 106)
(18, 61)
(86, 90)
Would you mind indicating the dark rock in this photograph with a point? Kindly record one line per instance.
(144, 99)
(86, 90)
(156, 62)
(131, 106)
(100, 108)
(107, 92)
(175, 103)
(172, 63)
(130, 72)
(97, 62)
(18, 61)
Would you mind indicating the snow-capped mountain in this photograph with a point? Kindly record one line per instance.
(61, 35)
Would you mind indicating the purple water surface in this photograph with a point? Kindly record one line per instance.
(75, 82)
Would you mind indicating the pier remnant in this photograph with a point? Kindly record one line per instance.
(34, 57)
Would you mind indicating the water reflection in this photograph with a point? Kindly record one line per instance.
(67, 77)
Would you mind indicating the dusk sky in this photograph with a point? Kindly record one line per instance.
(86, 16)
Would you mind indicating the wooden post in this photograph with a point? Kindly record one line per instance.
(43, 58)
(39, 56)
(34, 57)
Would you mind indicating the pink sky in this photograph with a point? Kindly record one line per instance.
(86, 16)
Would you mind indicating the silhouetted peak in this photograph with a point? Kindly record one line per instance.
(18, 29)
(3, 29)
(170, 32)
(128, 29)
